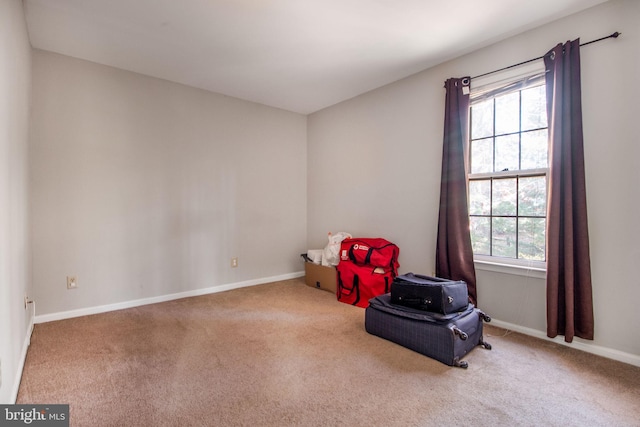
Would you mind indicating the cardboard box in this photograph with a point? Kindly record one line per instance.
(321, 277)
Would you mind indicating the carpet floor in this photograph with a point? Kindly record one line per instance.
(285, 354)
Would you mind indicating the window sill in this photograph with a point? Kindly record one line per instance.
(518, 270)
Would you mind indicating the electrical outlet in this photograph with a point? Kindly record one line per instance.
(234, 262)
(72, 282)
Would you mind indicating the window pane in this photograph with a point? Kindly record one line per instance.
(503, 239)
(534, 108)
(482, 119)
(504, 196)
(507, 207)
(531, 238)
(508, 113)
(480, 229)
(507, 153)
(480, 197)
(482, 156)
(534, 149)
(532, 196)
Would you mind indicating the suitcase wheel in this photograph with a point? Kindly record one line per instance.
(485, 344)
(485, 317)
(463, 336)
(460, 364)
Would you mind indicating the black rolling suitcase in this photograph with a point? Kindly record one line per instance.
(446, 338)
(430, 293)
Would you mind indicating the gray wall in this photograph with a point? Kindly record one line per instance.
(374, 169)
(15, 89)
(142, 188)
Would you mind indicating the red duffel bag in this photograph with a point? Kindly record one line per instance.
(357, 284)
(376, 252)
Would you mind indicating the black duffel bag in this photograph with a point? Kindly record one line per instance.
(430, 293)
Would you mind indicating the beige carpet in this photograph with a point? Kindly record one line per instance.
(285, 354)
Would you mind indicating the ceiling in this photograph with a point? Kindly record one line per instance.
(298, 55)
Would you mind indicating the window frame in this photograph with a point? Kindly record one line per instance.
(520, 266)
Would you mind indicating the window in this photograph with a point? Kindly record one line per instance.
(508, 175)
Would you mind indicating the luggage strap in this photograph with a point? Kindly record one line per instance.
(349, 291)
(367, 259)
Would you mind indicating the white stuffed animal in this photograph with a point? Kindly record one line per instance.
(331, 253)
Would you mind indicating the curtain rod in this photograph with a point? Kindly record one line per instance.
(614, 35)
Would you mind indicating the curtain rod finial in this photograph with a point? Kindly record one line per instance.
(615, 35)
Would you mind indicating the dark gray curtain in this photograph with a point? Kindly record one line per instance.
(569, 298)
(454, 256)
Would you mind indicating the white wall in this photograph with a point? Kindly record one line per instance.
(143, 188)
(374, 169)
(15, 89)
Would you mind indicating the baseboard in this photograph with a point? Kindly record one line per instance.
(162, 298)
(23, 358)
(577, 343)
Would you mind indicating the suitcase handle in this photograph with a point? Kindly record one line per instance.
(416, 301)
